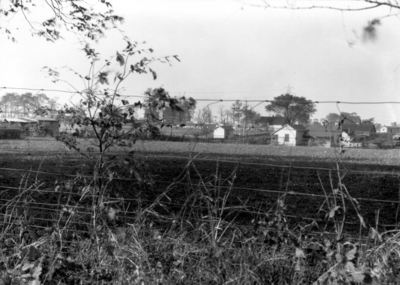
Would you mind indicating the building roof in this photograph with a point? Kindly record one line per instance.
(358, 127)
(39, 119)
(257, 133)
(298, 128)
(29, 120)
(208, 126)
(14, 120)
(319, 134)
(274, 121)
(322, 131)
(322, 128)
(46, 119)
(226, 128)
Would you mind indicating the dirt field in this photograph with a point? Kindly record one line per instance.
(261, 174)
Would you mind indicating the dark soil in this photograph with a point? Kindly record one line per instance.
(258, 183)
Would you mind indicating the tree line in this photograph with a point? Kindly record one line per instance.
(295, 109)
(21, 105)
(239, 113)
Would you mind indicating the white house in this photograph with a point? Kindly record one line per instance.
(290, 135)
(223, 132)
(390, 129)
(383, 129)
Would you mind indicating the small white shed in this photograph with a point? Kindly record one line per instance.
(223, 132)
(390, 129)
(383, 129)
(290, 135)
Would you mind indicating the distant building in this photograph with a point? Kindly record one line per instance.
(348, 141)
(39, 126)
(17, 125)
(359, 131)
(223, 132)
(42, 126)
(12, 121)
(326, 136)
(274, 123)
(190, 125)
(290, 135)
(390, 129)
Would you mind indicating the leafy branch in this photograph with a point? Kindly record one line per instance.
(77, 16)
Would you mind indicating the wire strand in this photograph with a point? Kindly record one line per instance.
(212, 100)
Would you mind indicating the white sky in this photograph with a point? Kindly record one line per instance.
(230, 50)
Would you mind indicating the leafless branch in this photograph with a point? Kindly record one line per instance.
(395, 5)
(26, 18)
(376, 4)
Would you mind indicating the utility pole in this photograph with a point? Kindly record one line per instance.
(289, 89)
(245, 113)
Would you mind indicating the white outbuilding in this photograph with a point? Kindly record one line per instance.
(223, 132)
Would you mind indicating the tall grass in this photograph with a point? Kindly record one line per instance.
(72, 234)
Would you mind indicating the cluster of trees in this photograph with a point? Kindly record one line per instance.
(183, 116)
(204, 116)
(347, 118)
(294, 108)
(297, 110)
(243, 114)
(16, 105)
(171, 110)
(352, 118)
(240, 113)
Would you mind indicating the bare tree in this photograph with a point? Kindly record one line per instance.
(229, 118)
(199, 116)
(221, 114)
(237, 111)
(207, 116)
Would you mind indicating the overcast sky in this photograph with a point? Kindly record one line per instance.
(230, 50)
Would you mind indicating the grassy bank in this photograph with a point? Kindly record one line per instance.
(244, 151)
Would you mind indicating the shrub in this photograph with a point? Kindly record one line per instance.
(10, 134)
(258, 140)
(371, 145)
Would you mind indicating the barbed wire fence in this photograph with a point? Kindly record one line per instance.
(46, 204)
(251, 198)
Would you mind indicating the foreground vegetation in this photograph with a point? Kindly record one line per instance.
(193, 219)
(69, 235)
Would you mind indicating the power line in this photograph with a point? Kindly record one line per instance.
(216, 99)
(37, 89)
(191, 92)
